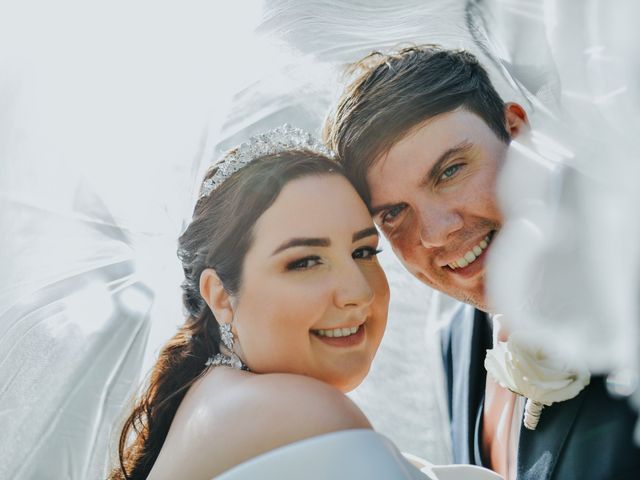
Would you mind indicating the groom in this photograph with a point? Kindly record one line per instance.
(422, 134)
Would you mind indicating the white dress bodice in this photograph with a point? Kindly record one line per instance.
(351, 454)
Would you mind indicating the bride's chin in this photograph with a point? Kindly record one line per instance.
(348, 383)
(352, 386)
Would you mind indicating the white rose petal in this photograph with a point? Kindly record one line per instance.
(526, 366)
(496, 364)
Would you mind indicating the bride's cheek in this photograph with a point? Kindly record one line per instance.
(381, 303)
(379, 284)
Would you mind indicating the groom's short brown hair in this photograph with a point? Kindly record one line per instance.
(393, 93)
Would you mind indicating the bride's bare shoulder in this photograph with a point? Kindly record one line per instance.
(294, 406)
(232, 416)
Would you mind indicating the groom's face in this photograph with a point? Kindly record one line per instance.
(433, 196)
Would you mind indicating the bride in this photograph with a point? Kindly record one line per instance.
(286, 306)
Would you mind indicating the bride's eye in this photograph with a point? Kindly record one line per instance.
(366, 253)
(304, 263)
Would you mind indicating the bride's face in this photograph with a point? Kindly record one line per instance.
(310, 271)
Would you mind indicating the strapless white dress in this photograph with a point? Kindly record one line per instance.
(351, 454)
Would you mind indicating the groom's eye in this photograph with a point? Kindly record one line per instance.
(450, 171)
(391, 214)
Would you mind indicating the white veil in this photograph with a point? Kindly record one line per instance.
(110, 114)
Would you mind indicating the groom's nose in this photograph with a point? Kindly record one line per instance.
(436, 224)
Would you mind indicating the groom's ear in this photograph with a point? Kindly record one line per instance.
(216, 296)
(516, 119)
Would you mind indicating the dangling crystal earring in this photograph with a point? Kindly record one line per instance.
(231, 359)
(226, 335)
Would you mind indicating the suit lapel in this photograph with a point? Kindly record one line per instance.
(469, 334)
(538, 450)
(482, 341)
(459, 356)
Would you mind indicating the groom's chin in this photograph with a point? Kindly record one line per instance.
(478, 302)
(475, 299)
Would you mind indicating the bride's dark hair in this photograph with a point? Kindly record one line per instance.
(218, 237)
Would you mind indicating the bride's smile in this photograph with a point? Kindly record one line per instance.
(342, 337)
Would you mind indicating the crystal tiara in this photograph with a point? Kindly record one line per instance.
(280, 139)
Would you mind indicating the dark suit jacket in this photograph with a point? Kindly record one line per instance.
(589, 437)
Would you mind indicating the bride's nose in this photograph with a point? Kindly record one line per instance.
(352, 289)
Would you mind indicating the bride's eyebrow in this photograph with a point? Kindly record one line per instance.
(364, 233)
(303, 242)
(323, 242)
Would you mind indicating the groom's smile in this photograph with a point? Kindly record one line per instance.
(472, 260)
(433, 196)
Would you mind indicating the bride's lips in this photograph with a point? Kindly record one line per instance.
(345, 341)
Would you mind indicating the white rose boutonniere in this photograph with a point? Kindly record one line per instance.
(527, 366)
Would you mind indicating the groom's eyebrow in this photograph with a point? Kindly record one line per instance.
(303, 242)
(460, 149)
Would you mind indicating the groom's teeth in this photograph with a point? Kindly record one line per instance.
(471, 255)
(337, 332)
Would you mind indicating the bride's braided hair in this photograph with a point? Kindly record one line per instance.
(218, 237)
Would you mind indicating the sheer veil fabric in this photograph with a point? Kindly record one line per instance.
(110, 114)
